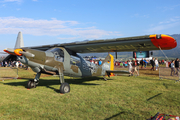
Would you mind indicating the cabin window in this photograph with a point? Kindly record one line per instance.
(75, 60)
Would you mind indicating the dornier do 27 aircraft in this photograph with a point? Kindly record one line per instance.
(64, 60)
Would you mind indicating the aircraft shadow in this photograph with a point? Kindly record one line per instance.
(153, 96)
(48, 83)
(122, 115)
(116, 115)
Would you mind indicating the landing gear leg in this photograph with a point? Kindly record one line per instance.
(105, 78)
(35, 82)
(64, 88)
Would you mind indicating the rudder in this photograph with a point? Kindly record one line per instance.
(19, 41)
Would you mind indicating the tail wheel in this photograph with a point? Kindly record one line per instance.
(31, 84)
(64, 88)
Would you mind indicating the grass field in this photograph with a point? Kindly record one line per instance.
(120, 97)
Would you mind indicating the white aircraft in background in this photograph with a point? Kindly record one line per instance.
(8, 57)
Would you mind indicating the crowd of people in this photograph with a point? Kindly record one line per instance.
(154, 63)
(16, 64)
(143, 63)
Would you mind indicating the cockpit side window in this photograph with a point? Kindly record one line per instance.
(74, 60)
(58, 54)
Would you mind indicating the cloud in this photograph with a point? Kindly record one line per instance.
(169, 8)
(171, 20)
(52, 27)
(163, 25)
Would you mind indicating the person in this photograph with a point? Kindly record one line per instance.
(134, 67)
(116, 63)
(130, 68)
(156, 63)
(167, 64)
(142, 62)
(172, 67)
(121, 64)
(2, 64)
(162, 62)
(5, 64)
(145, 63)
(100, 62)
(177, 66)
(152, 63)
(17, 64)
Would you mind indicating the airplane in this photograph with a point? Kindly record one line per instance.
(64, 60)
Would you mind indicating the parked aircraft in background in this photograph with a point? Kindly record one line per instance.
(65, 60)
(9, 57)
(3, 55)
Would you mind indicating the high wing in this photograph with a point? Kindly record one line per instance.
(138, 43)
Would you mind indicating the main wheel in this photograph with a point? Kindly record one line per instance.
(31, 84)
(64, 88)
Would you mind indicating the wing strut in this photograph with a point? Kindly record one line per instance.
(116, 54)
(164, 53)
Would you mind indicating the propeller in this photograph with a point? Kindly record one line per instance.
(18, 52)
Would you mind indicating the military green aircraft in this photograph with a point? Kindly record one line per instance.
(64, 59)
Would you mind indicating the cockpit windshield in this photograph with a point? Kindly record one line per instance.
(58, 54)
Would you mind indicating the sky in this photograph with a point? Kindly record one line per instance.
(44, 22)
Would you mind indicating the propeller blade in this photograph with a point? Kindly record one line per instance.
(27, 54)
(9, 51)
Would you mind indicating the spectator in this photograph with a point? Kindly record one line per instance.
(134, 67)
(142, 63)
(2, 64)
(167, 64)
(152, 63)
(172, 67)
(17, 64)
(145, 63)
(100, 62)
(121, 64)
(130, 67)
(177, 66)
(162, 62)
(156, 63)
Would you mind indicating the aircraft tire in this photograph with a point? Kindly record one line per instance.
(31, 84)
(64, 88)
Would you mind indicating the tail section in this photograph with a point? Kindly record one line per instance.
(19, 41)
(108, 62)
(108, 67)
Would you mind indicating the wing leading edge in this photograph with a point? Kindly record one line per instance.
(142, 43)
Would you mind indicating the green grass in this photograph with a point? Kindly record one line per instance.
(120, 97)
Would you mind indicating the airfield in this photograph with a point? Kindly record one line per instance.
(120, 97)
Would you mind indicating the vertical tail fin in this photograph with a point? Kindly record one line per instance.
(108, 63)
(19, 41)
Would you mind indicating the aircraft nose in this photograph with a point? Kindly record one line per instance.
(165, 42)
